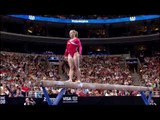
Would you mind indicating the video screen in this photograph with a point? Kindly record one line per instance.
(80, 60)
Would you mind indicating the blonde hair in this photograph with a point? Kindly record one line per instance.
(75, 32)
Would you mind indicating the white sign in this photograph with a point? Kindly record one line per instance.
(80, 21)
(70, 99)
(31, 17)
(52, 99)
(132, 18)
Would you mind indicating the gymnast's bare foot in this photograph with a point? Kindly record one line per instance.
(77, 81)
(69, 81)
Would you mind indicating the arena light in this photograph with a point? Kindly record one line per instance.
(30, 31)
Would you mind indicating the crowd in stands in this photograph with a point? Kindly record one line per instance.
(87, 16)
(19, 72)
(150, 72)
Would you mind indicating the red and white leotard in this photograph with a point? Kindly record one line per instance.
(72, 47)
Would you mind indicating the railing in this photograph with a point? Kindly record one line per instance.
(58, 40)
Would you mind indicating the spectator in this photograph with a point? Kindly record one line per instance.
(152, 102)
(29, 101)
(19, 71)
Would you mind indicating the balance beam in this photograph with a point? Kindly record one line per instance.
(64, 84)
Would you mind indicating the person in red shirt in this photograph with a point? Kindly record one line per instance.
(73, 53)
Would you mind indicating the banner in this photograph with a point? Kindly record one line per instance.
(66, 99)
(87, 21)
(3, 99)
(75, 100)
